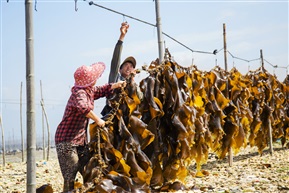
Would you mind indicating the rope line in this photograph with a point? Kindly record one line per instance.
(154, 25)
(203, 52)
(197, 51)
(124, 15)
(274, 66)
(241, 58)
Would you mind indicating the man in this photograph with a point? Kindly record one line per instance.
(120, 71)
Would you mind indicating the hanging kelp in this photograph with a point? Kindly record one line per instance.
(148, 144)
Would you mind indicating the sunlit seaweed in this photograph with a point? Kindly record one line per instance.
(147, 145)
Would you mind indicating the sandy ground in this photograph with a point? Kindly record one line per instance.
(250, 172)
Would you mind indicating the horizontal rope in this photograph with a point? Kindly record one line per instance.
(154, 25)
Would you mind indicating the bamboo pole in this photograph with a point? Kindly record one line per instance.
(262, 60)
(225, 46)
(230, 154)
(269, 121)
(13, 142)
(270, 138)
(43, 130)
(159, 30)
(48, 129)
(3, 142)
(31, 136)
(21, 128)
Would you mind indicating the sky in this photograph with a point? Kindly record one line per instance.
(65, 39)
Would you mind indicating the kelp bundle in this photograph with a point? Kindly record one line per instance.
(148, 144)
(119, 162)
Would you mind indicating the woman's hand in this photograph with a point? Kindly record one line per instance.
(100, 123)
(97, 120)
(118, 84)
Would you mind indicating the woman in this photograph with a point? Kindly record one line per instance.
(71, 134)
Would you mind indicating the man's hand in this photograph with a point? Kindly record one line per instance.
(123, 30)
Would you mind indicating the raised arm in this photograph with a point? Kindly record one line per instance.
(115, 62)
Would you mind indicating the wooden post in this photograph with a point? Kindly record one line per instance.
(30, 87)
(43, 130)
(21, 128)
(270, 138)
(159, 30)
(225, 47)
(3, 142)
(262, 60)
(230, 154)
(269, 121)
(48, 130)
